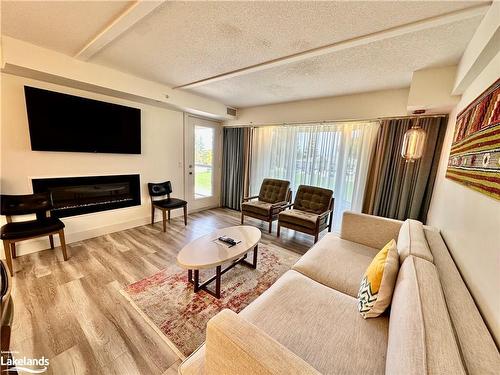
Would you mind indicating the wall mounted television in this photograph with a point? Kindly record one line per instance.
(61, 122)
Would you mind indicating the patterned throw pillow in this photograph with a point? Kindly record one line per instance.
(375, 292)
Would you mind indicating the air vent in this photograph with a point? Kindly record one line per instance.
(419, 112)
(231, 111)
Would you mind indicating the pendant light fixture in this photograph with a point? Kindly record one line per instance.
(413, 143)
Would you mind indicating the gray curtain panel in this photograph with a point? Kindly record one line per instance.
(232, 167)
(396, 188)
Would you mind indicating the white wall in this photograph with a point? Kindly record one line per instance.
(161, 159)
(369, 105)
(28, 60)
(470, 221)
(431, 89)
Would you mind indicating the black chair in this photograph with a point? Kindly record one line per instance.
(44, 225)
(163, 189)
(6, 316)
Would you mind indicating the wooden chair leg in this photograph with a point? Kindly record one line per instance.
(164, 212)
(152, 215)
(278, 230)
(270, 226)
(242, 217)
(185, 215)
(168, 216)
(63, 244)
(13, 250)
(8, 257)
(51, 239)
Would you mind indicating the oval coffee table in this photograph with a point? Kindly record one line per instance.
(208, 252)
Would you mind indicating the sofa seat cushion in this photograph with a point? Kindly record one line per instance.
(299, 218)
(336, 263)
(412, 241)
(320, 325)
(477, 346)
(421, 336)
(257, 207)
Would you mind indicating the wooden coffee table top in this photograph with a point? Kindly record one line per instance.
(207, 252)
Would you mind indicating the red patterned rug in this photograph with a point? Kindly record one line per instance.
(167, 300)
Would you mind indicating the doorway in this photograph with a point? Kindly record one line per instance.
(203, 162)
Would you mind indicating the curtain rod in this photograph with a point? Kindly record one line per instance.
(250, 125)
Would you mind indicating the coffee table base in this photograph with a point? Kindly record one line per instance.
(218, 273)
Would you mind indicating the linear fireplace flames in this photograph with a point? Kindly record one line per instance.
(81, 195)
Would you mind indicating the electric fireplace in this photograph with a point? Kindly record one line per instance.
(81, 195)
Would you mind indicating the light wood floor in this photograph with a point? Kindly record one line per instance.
(73, 313)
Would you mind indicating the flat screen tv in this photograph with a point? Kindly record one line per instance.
(61, 122)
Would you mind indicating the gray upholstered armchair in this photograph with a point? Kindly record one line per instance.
(273, 195)
(312, 211)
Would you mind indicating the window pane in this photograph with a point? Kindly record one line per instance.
(203, 161)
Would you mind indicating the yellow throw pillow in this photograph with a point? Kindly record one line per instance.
(375, 292)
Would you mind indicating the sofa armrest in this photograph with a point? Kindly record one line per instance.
(235, 346)
(369, 230)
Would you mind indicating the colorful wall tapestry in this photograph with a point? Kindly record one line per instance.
(475, 151)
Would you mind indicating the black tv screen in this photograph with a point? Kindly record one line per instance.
(61, 122)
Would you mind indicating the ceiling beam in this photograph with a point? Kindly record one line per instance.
(412, 27)
(121, 24)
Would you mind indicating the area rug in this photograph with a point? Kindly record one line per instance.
(168, 301)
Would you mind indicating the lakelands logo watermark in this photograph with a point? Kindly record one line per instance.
(23, 364)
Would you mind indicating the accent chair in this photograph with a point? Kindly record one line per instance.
(165, 205)
(311, 212)
(6, 315)
(273, 195)
(44, 225)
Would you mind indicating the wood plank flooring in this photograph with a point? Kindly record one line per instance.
(74, 314)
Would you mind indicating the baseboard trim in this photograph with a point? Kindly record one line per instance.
(42, 243)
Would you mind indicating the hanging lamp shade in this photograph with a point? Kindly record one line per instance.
(413, 143)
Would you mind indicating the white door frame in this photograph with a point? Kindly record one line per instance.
(190, 121)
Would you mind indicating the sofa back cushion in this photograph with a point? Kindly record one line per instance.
(412, 241)
(312, 199)
(478, 349)
(421, 337)
(273, 191)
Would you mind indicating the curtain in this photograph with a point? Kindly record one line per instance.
(333, 155)
(232, 167)
(398, 189)
(247, 159)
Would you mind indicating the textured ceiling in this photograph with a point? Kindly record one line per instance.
(63, 26)
(377, 66)
(182, 42)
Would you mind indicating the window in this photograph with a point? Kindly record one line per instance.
(334, 156)
(203, 161)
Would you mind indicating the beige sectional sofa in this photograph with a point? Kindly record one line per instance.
(308, 322)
